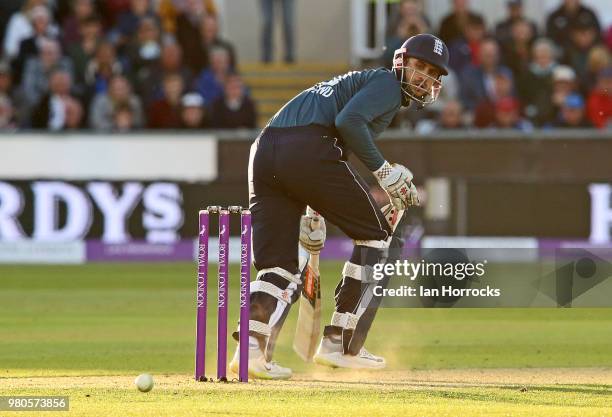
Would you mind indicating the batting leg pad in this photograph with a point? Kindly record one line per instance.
(271, 297)
(356, 305)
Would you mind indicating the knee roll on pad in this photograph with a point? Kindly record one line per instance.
(295, 278)
(272, 284)
(285, 295)
(370, 252)
(271, 296)
(344, 320)
(261, 331)
(376, 244)
(344, 325)
(259, 328)
(361, 264)
(363, 273)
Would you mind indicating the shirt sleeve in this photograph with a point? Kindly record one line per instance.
(379, 97)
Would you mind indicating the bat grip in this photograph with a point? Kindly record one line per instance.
(316, 218)
(311, 212)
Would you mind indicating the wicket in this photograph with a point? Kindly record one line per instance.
(223, 293)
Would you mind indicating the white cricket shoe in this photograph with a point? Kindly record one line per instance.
(330, 354)
(259, 368)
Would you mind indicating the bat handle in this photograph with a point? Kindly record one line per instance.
(312, 212)
(392, 215)
(316, 218)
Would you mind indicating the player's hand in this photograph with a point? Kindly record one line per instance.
(396, 180)
(312, 233)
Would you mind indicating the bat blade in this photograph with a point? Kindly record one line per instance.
(308, 327)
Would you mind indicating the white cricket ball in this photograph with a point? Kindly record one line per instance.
(144, 382)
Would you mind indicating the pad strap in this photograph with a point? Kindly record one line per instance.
(360, 273)
(259, 327)
(344, 320)
(376, 244)
(273, 290)
(295, 278)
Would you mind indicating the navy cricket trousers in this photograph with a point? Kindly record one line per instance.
(290, 168)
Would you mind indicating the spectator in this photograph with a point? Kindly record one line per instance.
(7, 9)
(112, 10)
(535, 86)
(170, 62)
(29, 47)
(7, 113)
(570, 13)
(102, 111)
(193, 112)
(503, 30)
(235, 108)
(100, 69)
(188, 34)
(169, 10)
(507, 115)
(451, 117)
(19, 28)
(7, 90)
(503, 87)
(564, 84)
(144, 51)
(597, 60)
(83, 51)
(82, 11)
(608, 38)
(165, 113)
(453, 25)
(123, 118)
(404, 29)
(267, 9)
(211, 39)
(466, 50)
(128, 21)
(517, 53)
(572, 113)
(599, 103)
(6, 79)
(210, 81)
(37, 70)
(477, 82)
(583, 37)
(73, 114)
(410, 14)
(50, 113)
(450, 92)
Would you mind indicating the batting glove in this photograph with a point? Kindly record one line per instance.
(312, 233)
(396, 180)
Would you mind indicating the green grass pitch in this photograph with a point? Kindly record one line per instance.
(87, 331)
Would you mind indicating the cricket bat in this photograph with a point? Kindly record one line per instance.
(308, 326)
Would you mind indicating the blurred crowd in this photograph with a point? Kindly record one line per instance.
(118, 65)
(511, 73)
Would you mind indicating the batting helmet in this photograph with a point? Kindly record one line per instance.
(417, 85)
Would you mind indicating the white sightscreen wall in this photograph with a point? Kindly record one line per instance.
(109, 157)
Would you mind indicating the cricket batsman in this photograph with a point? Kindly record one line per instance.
(300, 160)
